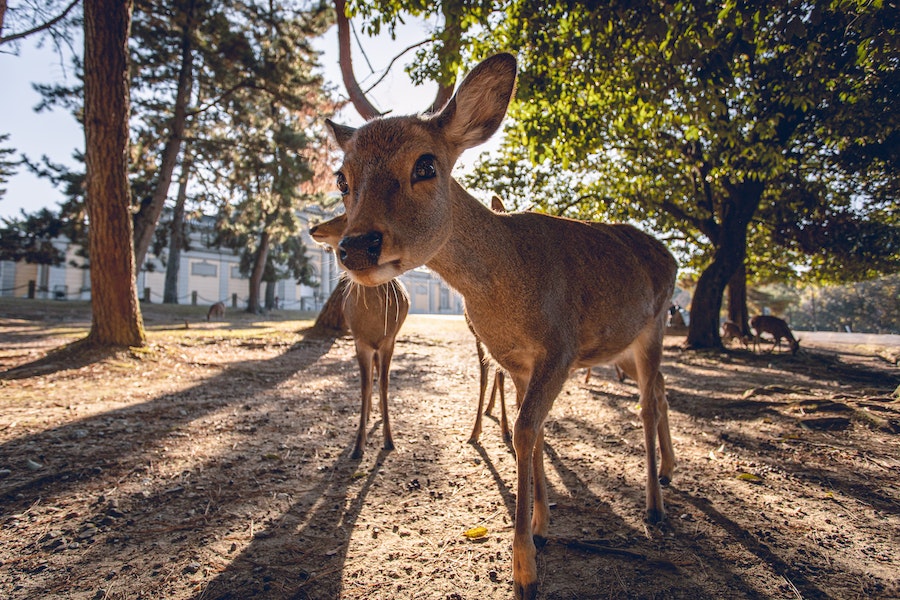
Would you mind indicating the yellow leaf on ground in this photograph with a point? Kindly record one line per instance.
(476, 532)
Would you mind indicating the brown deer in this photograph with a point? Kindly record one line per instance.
(732, 331)
(544, 294)
(777, 328)
(375, 315)
(217, 311)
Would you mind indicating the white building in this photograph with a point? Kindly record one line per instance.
(207, 275)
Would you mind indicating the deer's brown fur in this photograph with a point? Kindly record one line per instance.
(732, 331)
(374, 315)
(546, 295)
(777, 328)
(217, 310)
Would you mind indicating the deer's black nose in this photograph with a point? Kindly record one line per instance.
(360, 252)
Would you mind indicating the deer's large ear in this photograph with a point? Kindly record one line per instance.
(476, 110)
(341, 133)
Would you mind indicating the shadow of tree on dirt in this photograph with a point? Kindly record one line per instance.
(117, 440)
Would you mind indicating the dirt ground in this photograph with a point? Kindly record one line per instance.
(215, 465)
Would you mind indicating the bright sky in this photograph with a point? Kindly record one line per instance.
(56, 134)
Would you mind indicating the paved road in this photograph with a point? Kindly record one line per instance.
(837, 337)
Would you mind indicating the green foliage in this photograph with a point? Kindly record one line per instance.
(666, 110)
(865, 307)
(7, 166)
(30, 238)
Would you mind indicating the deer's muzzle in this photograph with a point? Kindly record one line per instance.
(360, 252)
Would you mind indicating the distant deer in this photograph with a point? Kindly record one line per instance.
(484, 363)
(732, 331)
(375, 315)
(217, 311)
(777, 328)
(544, 294)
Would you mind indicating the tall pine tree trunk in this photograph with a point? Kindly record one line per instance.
(256, 274)
(115, 311)
(146, 219)
(176, 233)
(731, 248)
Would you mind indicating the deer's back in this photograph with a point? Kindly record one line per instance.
(597, 284)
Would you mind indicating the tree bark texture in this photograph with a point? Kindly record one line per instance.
(176, 239)
(737, 299)
(256, 273)
(146, 219)
(116, 315)
(731, 247)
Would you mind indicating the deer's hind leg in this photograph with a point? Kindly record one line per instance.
(482, 383)
(646, 352)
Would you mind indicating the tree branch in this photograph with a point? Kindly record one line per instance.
(42, 27)
(360, 102)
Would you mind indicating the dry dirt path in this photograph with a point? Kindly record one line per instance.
(216, 465)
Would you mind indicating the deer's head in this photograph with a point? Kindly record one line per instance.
(395, 177)
(329, 232)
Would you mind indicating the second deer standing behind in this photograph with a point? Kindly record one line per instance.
(375, 315)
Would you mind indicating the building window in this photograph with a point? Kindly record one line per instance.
(445, 299)
(204, 269)
(236, 273)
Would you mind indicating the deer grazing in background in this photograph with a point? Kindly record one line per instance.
(375, 315)
(544, 294)
(484, 364)
(777, 328)
(732, 331)
(217, 311)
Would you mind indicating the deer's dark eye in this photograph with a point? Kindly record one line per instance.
(342, 184)
(424, 169)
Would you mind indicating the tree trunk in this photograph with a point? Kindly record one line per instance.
(737, 299)
(116, 315)
(270, 295)
(146, 219)
(176, 231)
(345, 59)
(332, 316)
(731, 248)
(256, 273)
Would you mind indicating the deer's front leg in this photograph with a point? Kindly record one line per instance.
(364, 356)
(528, 439)
(384, 362)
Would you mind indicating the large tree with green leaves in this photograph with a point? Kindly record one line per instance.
(267, 143)
(703, 116)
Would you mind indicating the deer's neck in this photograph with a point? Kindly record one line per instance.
(473, 258)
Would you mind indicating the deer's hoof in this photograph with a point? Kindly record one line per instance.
(526, 592)
(539, 541)
(357, 453)
(665, 480)
(656, 515)
(388, 445)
